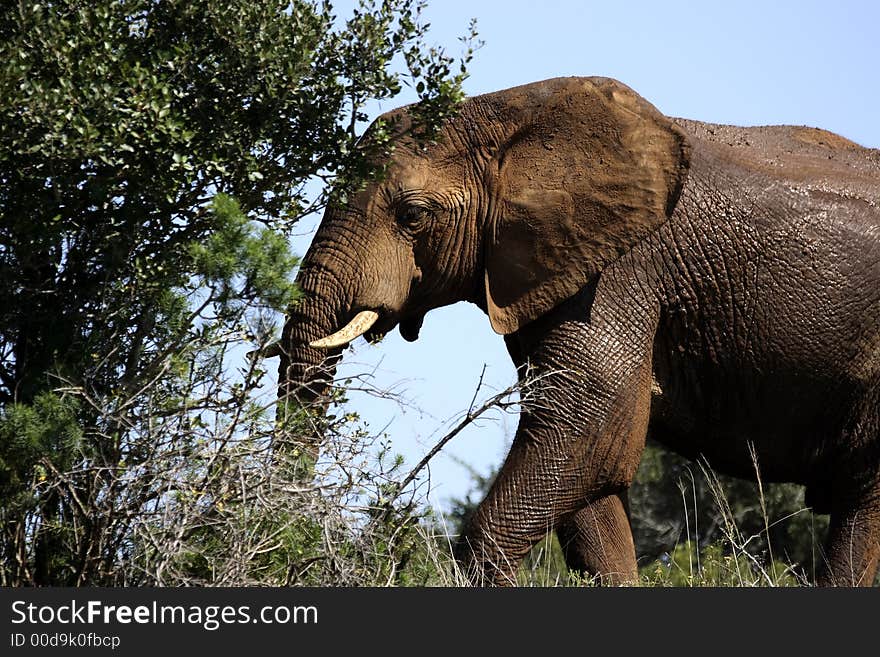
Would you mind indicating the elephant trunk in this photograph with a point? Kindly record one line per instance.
(328, 280)
(306, 372)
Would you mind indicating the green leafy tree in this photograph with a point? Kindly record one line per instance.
(154, 157)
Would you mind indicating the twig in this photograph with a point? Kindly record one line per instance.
(492, 402)
(497, 400)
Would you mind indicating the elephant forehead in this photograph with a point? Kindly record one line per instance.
(442, 182)
(409, 175)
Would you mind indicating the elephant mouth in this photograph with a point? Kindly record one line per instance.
(373, 325)
(409, 327)
(375, 335)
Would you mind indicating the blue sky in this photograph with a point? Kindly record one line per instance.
(744, 63)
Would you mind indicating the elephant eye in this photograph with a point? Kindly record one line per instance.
(412, 216)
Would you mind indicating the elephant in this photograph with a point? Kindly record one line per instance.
(716, 286)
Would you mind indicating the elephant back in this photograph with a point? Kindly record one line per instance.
(810, 160)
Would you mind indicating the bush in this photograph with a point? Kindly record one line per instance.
(154, 158)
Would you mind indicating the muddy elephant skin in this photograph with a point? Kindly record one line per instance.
(716, 285)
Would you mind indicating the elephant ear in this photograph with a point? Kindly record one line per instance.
(588, 168)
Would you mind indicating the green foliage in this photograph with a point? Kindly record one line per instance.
(45, 430)
(241, 262)
(154, 157)
(714, 565)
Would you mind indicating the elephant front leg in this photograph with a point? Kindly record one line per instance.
(597, 541)
(580, 439)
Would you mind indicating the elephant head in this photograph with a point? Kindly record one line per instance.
(527, 194)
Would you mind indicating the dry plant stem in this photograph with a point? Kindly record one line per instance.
(730, 530)
(687, 528)
(762, 500)
(733, 535)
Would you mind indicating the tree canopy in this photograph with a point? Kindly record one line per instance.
(122, 120)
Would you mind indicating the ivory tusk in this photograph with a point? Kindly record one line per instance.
(359, 325)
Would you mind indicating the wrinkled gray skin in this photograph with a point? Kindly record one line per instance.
(719, 286)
